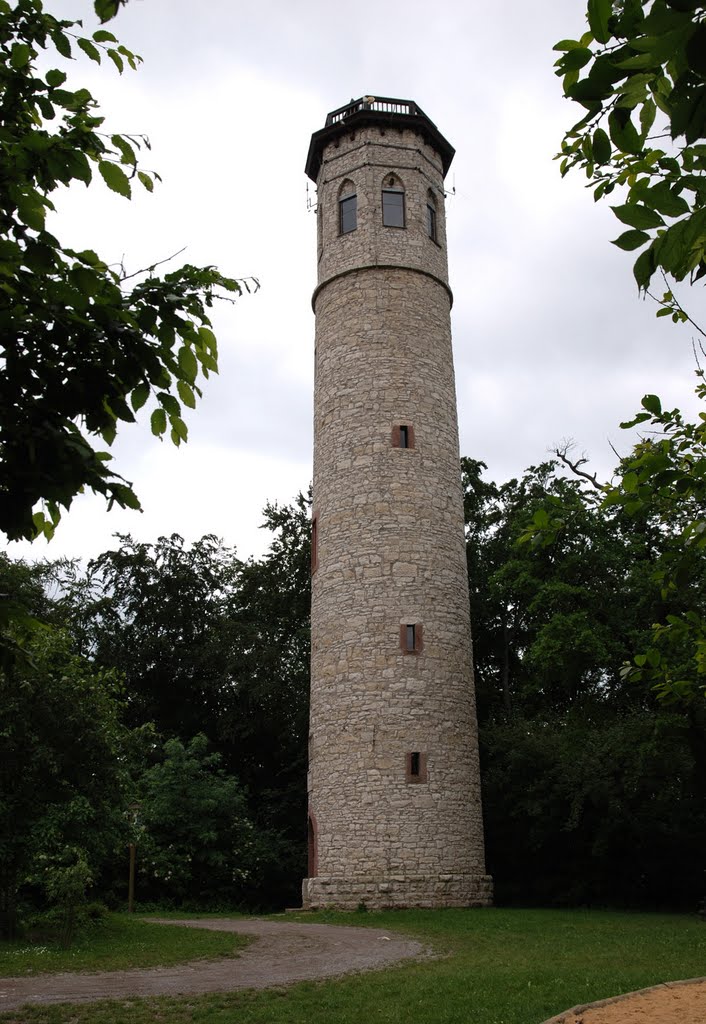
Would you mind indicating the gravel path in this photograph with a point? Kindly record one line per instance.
(283, 952)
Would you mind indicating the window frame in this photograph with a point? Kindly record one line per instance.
(348, 198)
(394, 190)
(432, 229)
(397, 436)
(417, 637)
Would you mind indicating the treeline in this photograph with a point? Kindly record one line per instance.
(159, 697)
(594, 791)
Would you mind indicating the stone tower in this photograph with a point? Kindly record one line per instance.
(394, 788)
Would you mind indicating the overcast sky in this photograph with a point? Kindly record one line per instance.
(551, 340)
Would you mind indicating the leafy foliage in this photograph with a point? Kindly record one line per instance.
(197, 841)
(83, 345)
(589, 786)
(640, 74)
(61, 781)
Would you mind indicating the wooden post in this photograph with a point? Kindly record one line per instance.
(131, 882)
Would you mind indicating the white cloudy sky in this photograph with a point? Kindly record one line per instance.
(550, 338)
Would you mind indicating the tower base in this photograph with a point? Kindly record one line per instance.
(397, 892)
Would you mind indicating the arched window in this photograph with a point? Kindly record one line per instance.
(393, 202)
(347, 208)
(431, 216)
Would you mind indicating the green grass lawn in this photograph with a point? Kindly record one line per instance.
(118, 943)
(500, 967)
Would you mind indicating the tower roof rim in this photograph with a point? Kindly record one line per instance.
(380, 111)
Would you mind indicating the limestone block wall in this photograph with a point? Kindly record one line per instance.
(389, 553)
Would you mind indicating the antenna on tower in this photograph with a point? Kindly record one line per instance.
(452, 190)
(311, 204)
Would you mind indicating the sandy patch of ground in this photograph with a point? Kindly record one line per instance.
(676, 1002)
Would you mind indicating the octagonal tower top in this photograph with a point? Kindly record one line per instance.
(376, 110)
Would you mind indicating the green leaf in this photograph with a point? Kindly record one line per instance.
(179, 428)
(574, 60)
(601, 146)
(140, 395)
(106, 9)
(630, 482)
(187, 363)
(103, 36)
(89, 49)
(209, 339)
(631, 240)
(599, 12)
(186, 394)
(566, 44)
(635, 215)
(652, 404)
(648, 112)
(696, 51)
(61, 42)
(662, 198)
(158, 422)
(623, 132)
(115, 178)
(169, 403)
(20, 55)
(117, 60)
(55, 78)
(146, 180)
(127, 153)
(31, 212)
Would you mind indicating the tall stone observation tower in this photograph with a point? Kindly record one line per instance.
(394, 786)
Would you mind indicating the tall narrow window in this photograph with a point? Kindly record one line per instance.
(411, 637)
(431, 216)
(314, 542)
(348, 214)
(416, 766)
(393, 207)
(404, 437)
(431, 222)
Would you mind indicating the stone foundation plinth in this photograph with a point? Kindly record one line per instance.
(397, 892)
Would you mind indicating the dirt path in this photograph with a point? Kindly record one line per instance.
(283, 952)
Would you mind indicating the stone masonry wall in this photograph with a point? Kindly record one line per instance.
(390, 552)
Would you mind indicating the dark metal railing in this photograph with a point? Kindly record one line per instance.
(382, 104)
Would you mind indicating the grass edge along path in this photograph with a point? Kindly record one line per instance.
(119, 943)
(502, 967)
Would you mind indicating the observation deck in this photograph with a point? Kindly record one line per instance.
(384, 111)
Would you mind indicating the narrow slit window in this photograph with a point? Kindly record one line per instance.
(431, 222)
(314, 543)
(348, 214)
(411, 638)
(416, 767)
(403, 435)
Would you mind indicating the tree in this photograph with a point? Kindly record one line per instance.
(83, 345)
(640, 61)
(197, 841)
(644, 59)
(553, 622)
(160, 612)
(61, 777)
(210, 644)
